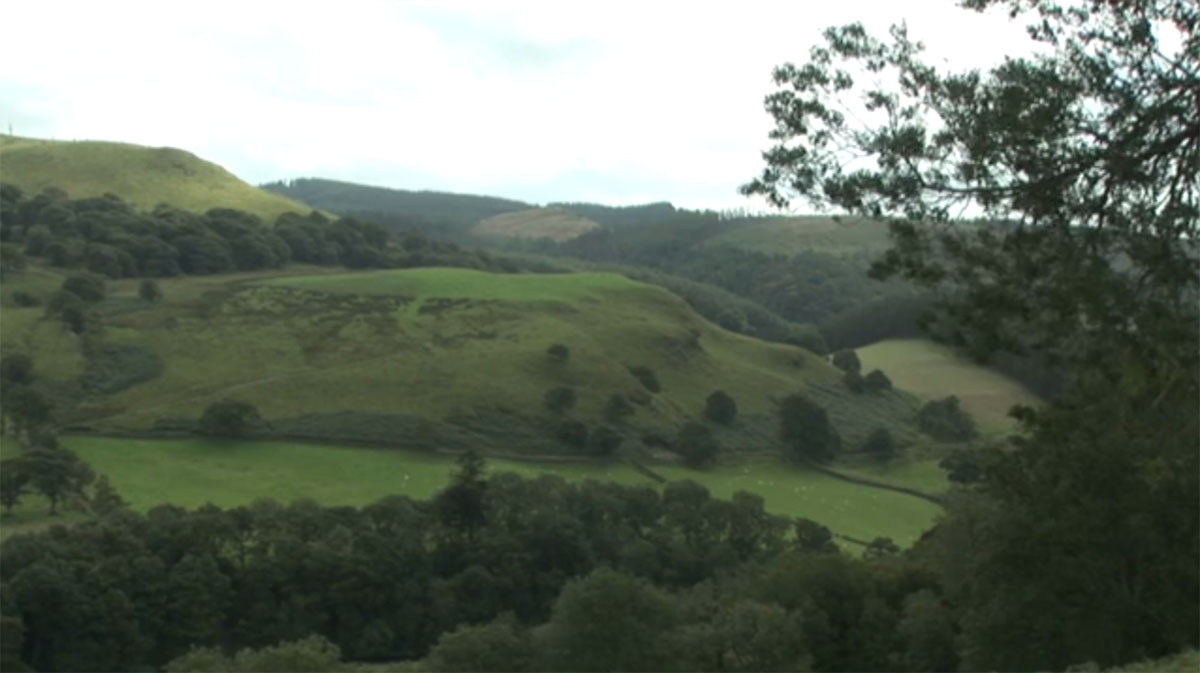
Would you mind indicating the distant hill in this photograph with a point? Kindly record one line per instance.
(556, 224)
(396, 207)
(142, 176)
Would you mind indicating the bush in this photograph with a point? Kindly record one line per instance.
(61, 300)
(560, 399)
(719, 407)
(229, 418)
(646, 377)
(854, 381)
(25, 299)
(149, 291)
(880, 443)
(847, 361)
(16, 368)
(877, 381)
(605, 441)
(88, 287)
(945, 421)
(558, 353)
(120, 366)
(617, 408)
(696, 444)
(572, 433)
(806, 430)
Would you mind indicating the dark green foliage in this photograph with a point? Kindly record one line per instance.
(719, 407)
(945, 420)
(646, 377)
(120, 366)
(149, 291)
(1087, 262)
(56, 473)
(805, 429)
(560, 399)
(229, 418)
(460, 505)
(854, 382)
(105, 498)
(12, 260)
(617, 408)
(558, 353)
(607, 621)
(502, 645)
(572, 433)
(880, 444)
(25, 299)
(14, 483)
(16, 368)
(847, 361)
(697, 445)
(74, 319)
(313, 654)
(61, 301)
(964, 466)
(25, 407)
(604, 441)
(813, 537)
(877, 381)
(88, 287)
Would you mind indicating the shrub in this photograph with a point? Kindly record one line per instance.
(605, 441)
(945, 421)
(806, 430)
(229, 418)
(120, 366)
(149, 291)
(25, 299)
(880, 443)
(558, 353)
(877, 381)
(16, 368)
(696, 444)
(847, 361)
(61, 300)
(854, 381)
(572, 433)
(88, 287)
(560, 399)
(646, 377)
(719, 407)
(617, 408)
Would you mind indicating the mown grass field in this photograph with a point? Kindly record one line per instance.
(191, 473)
(554, 223)
(143, 176)
(934, 371)
(439, 344)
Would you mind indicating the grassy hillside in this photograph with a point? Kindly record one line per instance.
(191, 473)
(553, 223)
(934, 371)
(443, 357)
(143, 176)
(816, 233)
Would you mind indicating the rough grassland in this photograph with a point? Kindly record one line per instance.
(934, 371)
(143, 176)
(553, 223)
(790, 235)
(191, 473)
(440, 344)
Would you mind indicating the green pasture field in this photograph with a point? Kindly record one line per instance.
(191, 473)
(933, 371)
(790, 235)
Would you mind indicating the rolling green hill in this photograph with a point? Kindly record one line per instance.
(143, 176)
(838, 236)
(436, 357)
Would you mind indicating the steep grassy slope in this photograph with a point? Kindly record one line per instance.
(553, 223)
(350, 198)
(438, 357)
(143, 176)
(934, 371)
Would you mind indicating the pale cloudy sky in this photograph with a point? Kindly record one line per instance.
(616, 102)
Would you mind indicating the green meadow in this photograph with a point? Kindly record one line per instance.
(191, 473)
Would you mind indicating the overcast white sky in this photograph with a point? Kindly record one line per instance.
(614, 102)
